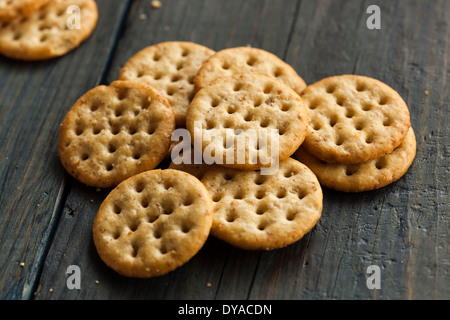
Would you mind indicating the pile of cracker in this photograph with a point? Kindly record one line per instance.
(350, 133)
(43, 29)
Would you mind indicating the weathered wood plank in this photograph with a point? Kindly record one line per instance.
(34, 98)
(403, 228)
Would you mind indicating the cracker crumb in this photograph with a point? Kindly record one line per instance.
(50, 290)
(97, 282)
(38, 204)
(143, 16)
(92, 200)
(156, 4)
(38, 291)
(427, 92)
(209, 284)
(22, 264)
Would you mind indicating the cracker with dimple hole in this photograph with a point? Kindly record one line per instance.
(249, 119)
(366, 176)
(262, 212)
(13, 9)
(354, 119)
(238, 60)
(152, 223)
(49, 31)
(114, 132)
(169, 67)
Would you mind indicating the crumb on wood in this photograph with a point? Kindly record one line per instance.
(38, 291)
(97, 282)
(209, 284)
(427, 92)
(22, 264)
(156, 4)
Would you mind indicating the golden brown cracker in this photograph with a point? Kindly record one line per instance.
(45, 34)
(13, 9)
(370, 175)
(239, 60)
(226, 112)
(262, 212)
(114, 132)
(169, 67)
(152, 223)
(353, 119)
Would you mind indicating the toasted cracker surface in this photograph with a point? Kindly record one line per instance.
(354, 119)
(44, 33)
(366, 176)
(114, 132)
(13, 9)
(238, 60)
(170, 67)
(262, 212)
(247, 106)
(152, 223)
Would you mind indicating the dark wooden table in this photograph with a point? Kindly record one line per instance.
(46, 217)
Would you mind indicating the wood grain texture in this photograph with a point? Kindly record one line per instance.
(34, 98)
(403, 228)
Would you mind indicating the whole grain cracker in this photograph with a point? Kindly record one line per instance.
(262, 212)
(243, 103)
(169, 67)
(366, 176)
(44, 33)
(152, 223)
(13, 9)
(238, 60)
(114, 132)
(353, 119)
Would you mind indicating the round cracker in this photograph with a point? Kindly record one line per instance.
(152, 223)
(44, 33)
(114, 132)
(366, 176)
(169, 67)
(238, 60)
(13, 9)
(231, 108)
(353, 119)
(262, 212)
